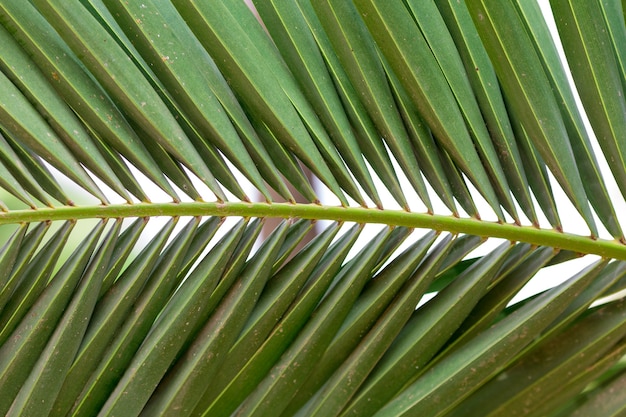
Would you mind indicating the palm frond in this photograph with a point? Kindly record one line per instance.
(145, 145)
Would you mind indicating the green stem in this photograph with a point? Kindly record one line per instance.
(533, 235)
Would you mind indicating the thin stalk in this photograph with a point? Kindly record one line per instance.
(444, 223)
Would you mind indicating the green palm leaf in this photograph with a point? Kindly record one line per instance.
(432, 158)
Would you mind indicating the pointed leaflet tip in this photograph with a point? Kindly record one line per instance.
(443, 48)
(255, 71)
(296, 43)
(524, 84)
(78, 88)
(25, 124)
(192, 91)
(39, 91)
(428, 87)
(134, 94)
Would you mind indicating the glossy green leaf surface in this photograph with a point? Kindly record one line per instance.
(312, 208)
(524, 83)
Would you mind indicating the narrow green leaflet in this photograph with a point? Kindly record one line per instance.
(113, 306)
(57, 113)
(370, 142)
(298, 233)
(574, 400)
(172, 169)
(98, 268)
(348, 377)
(531, 15)
(36, 168)
(379, 293)
(16, 167)
(396, 238)
(11, 184)
(613, 12)
(404, 46)
(263, 83)
(76, 86)
(8, 256)
(290, 372)
(206, 76)
(617, 286)
(235, 265)
(454, 263)
(109, 313)
(211, 86)
(277, 297)
(537, 174)
(327, 148)
(439, 40)
(37, 395)
(525, 86)
(457, 183)
(517, 257)
(500, 294)
(114, 70)
(234, 389)
(523, 263)
(356, 52)
(123, 248)
(538, 376)
(145, 24)
(205, 149)
(605, 277)
(594, 67)
(163, 280)
(466, 369)
(180, 319)
(486, 87)
(286, 162)
(298, 48)
(31, 281)
(376, 297)
(25, 123)
(608, 400)
(201, 237)
(426, 331)
(20, 354)
(121, 168)
(423, 142)
(26, 250)
(29, 180)
(183, 385)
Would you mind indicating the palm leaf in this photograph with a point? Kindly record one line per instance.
(145, 147)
